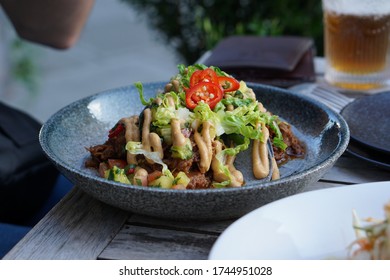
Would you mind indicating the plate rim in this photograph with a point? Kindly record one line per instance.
(364, 158)
(214, 252)
(357, 138)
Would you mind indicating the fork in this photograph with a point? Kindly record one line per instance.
(331, 97)
(328, 96)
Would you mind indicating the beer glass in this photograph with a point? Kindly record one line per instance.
(357, 34)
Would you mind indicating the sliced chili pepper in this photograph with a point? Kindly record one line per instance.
(207, 92)
(228, 83)
(191, 104)
(118, 128)
(206, 75)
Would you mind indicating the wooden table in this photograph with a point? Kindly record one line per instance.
(81, 227)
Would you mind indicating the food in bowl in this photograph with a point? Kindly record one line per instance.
(373, 239)
(189, 134)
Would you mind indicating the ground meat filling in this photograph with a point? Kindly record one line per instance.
(295, 149)
(113, 148)
(189, 166)
(176, 164)
(199, 180)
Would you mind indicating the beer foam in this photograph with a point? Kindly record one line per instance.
(357, 7)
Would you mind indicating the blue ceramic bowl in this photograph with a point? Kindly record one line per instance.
(85, 123)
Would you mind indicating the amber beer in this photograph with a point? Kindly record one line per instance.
(356, 48)
(355, 51)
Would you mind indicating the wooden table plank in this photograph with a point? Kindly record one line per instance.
(152, 238)
(210, 227)
(79, 227)
(140, 243)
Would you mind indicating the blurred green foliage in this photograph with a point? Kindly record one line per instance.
(23, 63)
(192, 27)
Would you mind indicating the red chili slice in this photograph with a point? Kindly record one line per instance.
(206, 75)
(118, 128)
(207, 92)
(228, 83)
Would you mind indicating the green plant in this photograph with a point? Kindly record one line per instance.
(23, 63)
(192, 27)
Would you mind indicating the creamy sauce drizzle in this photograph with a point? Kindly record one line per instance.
(237, 179)
(131, 134)
(260, 155)
(203, 141)
(151, 142)
(178, 139)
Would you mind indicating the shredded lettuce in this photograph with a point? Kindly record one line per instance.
(140, 89)
(163, 114)
(136, 148)
(243, 120)
(278, 138)
(203, 113)
(182, 152)
(221, 158)
(236, 101)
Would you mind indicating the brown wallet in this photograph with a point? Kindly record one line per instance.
(281, 61)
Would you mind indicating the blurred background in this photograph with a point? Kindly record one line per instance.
(126, 41)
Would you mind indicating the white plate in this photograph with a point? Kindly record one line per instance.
(310, 225)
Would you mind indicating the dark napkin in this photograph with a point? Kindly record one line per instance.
(281, 61)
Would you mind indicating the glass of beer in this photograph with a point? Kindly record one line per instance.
(357, 35)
